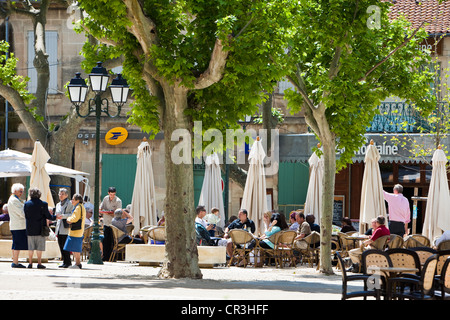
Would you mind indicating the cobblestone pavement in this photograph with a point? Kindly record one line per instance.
(127, 281)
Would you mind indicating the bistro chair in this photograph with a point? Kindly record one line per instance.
(268, 254)
(284, 248)
(444, 282)
(417, 240)
(241, 241)
(418, 289)
(346, 244)
(395, 241)
(157, 235)
(144, 233)
(5, 233)
(442, 256)
(357, 277)
(86, 246)
(423, 253)
(311, 253)
(374, 257)
(117, 248)
(380, 243)
(444, 245)
(130, 228)
(404, 258)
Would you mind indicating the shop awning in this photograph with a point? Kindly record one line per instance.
(393, 147)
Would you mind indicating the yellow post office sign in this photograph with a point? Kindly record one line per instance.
(116, 136)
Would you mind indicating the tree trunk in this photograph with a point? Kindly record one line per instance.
(181, 247)
(329, 158)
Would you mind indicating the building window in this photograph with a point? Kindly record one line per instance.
(51, 44)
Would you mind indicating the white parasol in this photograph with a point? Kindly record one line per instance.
(143, 203)
(39, 177)
(254, 199)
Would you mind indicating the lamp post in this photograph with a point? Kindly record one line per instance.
(119, 94)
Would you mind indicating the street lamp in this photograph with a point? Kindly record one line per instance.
(77, 93)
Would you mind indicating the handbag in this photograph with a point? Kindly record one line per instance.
(45, 231)
(77, 225)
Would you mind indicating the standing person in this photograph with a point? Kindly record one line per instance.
(110, 204)
(63, 211)
(399, 211)
(17, 224)
(36, 215)
(74, 242)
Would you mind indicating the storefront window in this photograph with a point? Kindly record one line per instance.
(409, 174)
(387, 174)
(428, 170)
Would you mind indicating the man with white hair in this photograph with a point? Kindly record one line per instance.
(17, 223)
(399, 211)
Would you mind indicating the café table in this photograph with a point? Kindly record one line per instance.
(390, 273)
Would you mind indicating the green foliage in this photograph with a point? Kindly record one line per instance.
(350, 97)
(254, 32)
(8, 75)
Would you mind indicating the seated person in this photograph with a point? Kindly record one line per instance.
(204, 239)
(213, 219)
(242, 222)
(311, 220)
(380, 230)
(5, 215)
(347, 225)
(278, 224)
(293, 221)
(303, 230)
(120, 223)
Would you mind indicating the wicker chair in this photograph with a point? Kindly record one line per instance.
(5, 233)
(358, 277)
(144, 232)
(374, 257)
(346, 244)
(417, 240)
(395, 241)
(419, 289)
(444, 245)
(424, 253)
(268, 254)
(86, 246)
(130, 228)
(117, 248)
(311, 253)
(157, 234)
(284, 248)
(404, 258)
(442, 256)
(380, 243)
(241, 241)
(444, 282)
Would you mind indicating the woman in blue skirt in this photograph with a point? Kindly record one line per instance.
(74, 242)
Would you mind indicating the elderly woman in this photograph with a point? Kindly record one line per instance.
(74, 242)
(63, 211)
(17, 224)
(36, 215)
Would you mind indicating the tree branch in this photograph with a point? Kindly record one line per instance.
(142, 27)
(392, 52)
(215, 68)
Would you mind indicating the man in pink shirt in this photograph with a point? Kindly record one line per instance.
(399, 211)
